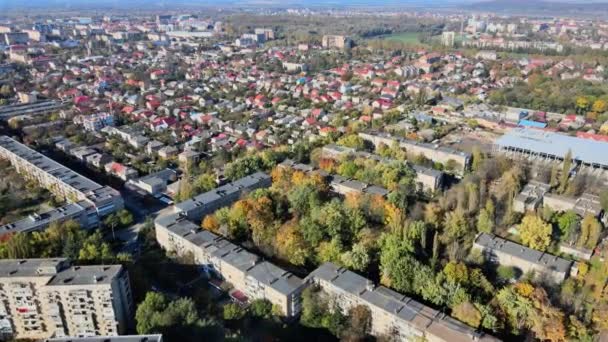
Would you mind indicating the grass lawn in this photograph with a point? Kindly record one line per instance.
(404, 37)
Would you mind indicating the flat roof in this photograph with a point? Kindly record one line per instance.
(395, 304)
(14, 268)
(62, 173)
(543, 259)
(232, 254)
(245, 183)
(35, 221)
(555, 144)
(86, 275)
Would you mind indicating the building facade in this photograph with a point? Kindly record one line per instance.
(508, 253)
(248, 274)
(43, 298)
(60, 180)
(392, 314)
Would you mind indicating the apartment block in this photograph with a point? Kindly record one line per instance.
(335, 42)
(427, 179)
(40, 221)
(43, 298)
(508, 253)
(433, 152)
(62, 181)
(251, 276)
(199, 206)
(124, 338)
(391, 313)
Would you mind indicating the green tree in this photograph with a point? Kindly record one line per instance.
(506, 273)
(535, 233)
(563, 183)
(352, 141)
(590, 232)
(233, 312)
(177, 320)
(261, 308)
(358, 258)
(568, 223)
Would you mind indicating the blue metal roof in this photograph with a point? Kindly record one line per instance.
(555, 144)
(532, 123)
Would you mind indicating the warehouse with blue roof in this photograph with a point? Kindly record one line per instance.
(553, 146)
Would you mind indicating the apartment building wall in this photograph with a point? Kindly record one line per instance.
(43, 298)
(508, 253)
(391, 313)
(59, 179)
(245, 271)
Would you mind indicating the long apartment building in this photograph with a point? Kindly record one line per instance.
(246, 272)
(251, 276)
(62, 181)
(44, 298)
(509, 253)
(40, 221)
(206, 203)
(391, 313)
(36, 108)
(436, 153)
(426, 178)
(338, 184)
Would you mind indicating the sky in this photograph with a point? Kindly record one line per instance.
(166, 3)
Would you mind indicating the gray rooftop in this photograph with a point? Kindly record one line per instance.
(555, 144)
(13, 268)
(234, 255)
(86, 275)
(125, 338)
(511, 248)
(235, 189)
(341, 150)
(275, 277)
(42, 220)
(29, 108)
(48, 165)
(393, 303)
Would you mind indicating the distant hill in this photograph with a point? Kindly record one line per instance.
(552, 7)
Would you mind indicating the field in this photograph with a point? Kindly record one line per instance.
(404, 37)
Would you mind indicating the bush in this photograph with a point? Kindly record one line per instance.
(506, 273)
(233, 311)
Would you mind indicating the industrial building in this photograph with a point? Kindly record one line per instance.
(427, 179)
(508, 253)
(530, 197)
(391, 312)
(36, 108)
(549, 146)
(434, 152)
(43, 298)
